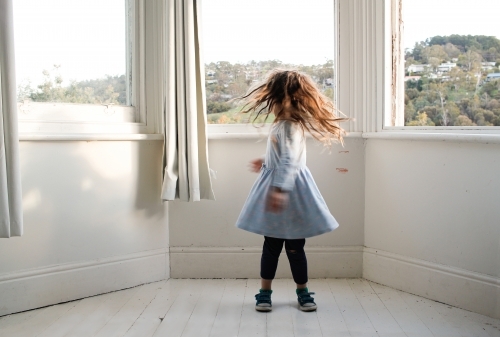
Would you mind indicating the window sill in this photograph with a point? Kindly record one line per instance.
(247, 131)
(485, 138)
(87, 137)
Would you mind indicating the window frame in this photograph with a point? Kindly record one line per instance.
(366, 75)
(248, 130)
(143, 116)
(394, 34)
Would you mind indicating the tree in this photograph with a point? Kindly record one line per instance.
(422, 120)
(109, 90)
(435, 51)
(417, 51)
(491, 55)
(463, 121)
(471, 60)
(451, 50)
(409, 112)
(441, 90)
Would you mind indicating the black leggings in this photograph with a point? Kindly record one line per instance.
(296, 256)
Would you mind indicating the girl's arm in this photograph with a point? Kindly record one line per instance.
(256, 164)
(289, 143)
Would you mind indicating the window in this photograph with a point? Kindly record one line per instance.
(80, 65)
(244, 40)
(451, 65)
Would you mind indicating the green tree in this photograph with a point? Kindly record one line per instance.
(451, 50)
(463, 121)
(109, 90)
(435, 51)
(421, 120)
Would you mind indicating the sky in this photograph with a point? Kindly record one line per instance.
(87, 37)
(86, 42)
(427, 18)
(289, 30)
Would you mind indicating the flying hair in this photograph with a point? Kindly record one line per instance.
(305, 104)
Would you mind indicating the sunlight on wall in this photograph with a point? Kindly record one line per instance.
(108, 160)
(32, 199)
(87, 184)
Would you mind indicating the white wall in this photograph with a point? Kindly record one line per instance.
(432, 220)
(427, 212)
(205, 243)
(93, 222)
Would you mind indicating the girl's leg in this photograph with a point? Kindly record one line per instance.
(269, 261)
(298, 261)
(298, 264)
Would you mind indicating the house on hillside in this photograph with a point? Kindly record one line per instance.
(418, 68)
(487, 65)
(412, 78)
(445, 67)
(492, 77)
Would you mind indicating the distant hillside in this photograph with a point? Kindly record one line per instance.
(465, 42)
(486, 46)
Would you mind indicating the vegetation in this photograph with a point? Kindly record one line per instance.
(459, 95)
(450, 88)
(108, 90)
(226, 81)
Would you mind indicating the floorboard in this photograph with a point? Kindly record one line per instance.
(226, 308)
(279, 321)
(39, 322)
(252, 323)
(354, 315)
(202, 319)
(304, 323)
(330, 318)
(106, 311)
(381, 319)
(227, 321)
(407, 319)
(175, 320)
(149, 320)
(75, 315)
(121, 322)
(430, 317)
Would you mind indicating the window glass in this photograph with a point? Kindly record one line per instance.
(452, 60)
(244, 40)
(71, 51)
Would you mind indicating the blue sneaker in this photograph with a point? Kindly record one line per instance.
(264, 300)
(306, 302)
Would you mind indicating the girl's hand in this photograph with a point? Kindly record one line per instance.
(277, 200)
(255, 165)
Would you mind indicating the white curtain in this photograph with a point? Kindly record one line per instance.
(11, 216)
(187, 175)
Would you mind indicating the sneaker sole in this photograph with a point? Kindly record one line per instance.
(308, 308)
(263, 309)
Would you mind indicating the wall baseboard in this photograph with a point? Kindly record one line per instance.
(29, 289)
(238, 262)
(454, 286)
(40, 287)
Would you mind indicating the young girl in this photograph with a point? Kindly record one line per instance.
(285, 204)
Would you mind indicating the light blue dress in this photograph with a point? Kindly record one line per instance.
(285, 167)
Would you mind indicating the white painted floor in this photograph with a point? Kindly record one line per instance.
(346, 307)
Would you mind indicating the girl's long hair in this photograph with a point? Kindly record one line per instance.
(313, 111)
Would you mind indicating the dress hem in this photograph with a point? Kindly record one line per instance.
(289, 238)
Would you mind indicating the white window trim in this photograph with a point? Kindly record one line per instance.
(394, 94)
(253, 131)
(365, 91)
(364, 49)
(140, 121)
